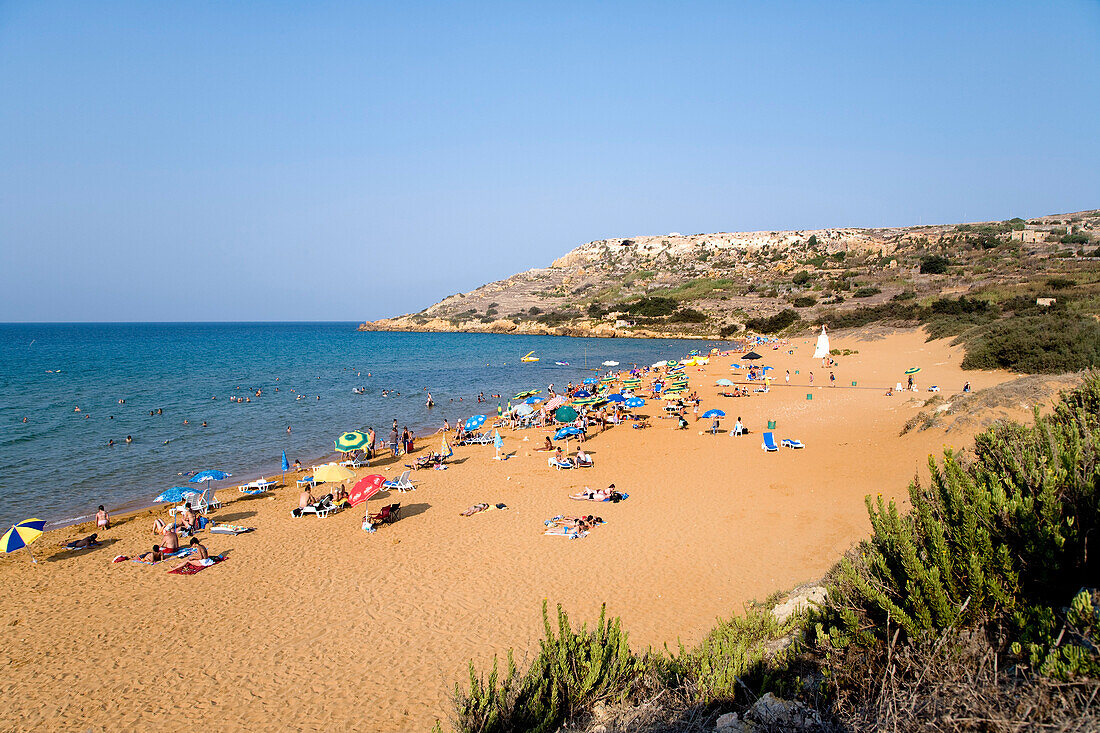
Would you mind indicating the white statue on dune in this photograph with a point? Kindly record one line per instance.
(822, 350)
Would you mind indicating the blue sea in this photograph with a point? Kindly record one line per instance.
(58, 465)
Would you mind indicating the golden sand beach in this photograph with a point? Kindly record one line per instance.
(314, 624)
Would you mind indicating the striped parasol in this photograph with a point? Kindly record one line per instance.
(22, 535)
(352, 441)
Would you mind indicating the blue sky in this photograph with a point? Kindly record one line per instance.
(341, 161)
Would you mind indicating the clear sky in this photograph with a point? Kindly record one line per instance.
(340, 161)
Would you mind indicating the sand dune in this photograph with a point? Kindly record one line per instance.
(314, 624)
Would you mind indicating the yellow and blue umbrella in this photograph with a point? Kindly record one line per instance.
(912, 370)
(350, 441)
(21, 535)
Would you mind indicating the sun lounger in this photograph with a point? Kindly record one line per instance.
(558, 464)
(769, 443)
(358, 462)
(789, 443)
(402, 483)
(321, 509)
(206, 502)
(307, 481)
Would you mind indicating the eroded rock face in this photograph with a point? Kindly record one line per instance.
(799, 601)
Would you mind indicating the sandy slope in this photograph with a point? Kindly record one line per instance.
(314, 624)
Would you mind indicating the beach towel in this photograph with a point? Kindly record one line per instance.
(572, 534)
(621, 497)
(192, 569)
(233, 529)
(182, 552)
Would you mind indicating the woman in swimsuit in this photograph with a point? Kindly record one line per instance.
(102, 518)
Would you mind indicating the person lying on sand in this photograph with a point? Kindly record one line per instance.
(89, 541)
(200, 559)
(474, 510)
(155, 556)
(592, 495)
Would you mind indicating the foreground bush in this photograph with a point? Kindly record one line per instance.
(1048, 343)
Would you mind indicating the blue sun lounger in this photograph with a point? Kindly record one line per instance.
(793, 443)
(769, 443)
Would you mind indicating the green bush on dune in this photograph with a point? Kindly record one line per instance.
(991, 556)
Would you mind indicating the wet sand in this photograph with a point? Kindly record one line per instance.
(313, 624)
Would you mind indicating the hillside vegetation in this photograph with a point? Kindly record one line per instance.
(958, 280)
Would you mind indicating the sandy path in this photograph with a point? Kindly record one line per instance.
(313, 624)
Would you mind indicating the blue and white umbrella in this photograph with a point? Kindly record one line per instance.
(523, 409)
(567, 431)
(713, 413)
(475, 422)
(634, 402)
(580, 394)
(211, 474)
(532, 400)
(591, 380)
(616, 397)
(498, 442)
(724, 383)
(176, 494)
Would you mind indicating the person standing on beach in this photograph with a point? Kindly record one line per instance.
(393, 440)
(811, 377)
(788, 377)
(832, 379)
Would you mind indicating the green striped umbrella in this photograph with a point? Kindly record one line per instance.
(354, 440)
(586, 401)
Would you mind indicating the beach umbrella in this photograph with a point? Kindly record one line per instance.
(713, 413)
(567, 431)
(22, 535)
(555, 402)
(752, 356)
(616, 398)
(475, 422)
(349, 442)
(177, 494)
(365, 488)
(332, 472)
(585, 401)
(209, 475)
(659, 364)
(912, 370)
(634, 402)
(445, 449)
(607, 380)
(532, 400)
(498, 442)
(528, 393)
(673, 363)
(286, 466)
(724, 383)
(581, 394)
(523, 410)
(591, 380)
(565, 414)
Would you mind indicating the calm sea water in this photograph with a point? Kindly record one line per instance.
(58, 464)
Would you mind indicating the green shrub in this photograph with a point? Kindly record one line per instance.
(866, 292)
(933, 265)
(652, 307)
(688, 315)
(729, 330)
(1060, 283)
(573, 670)
(1002, 537)
(1074, 239)
(1048, 342)
(801, 277)
(773, 324)
(805, 301)
(734, 649)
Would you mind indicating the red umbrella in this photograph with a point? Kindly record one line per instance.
(365, 488)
